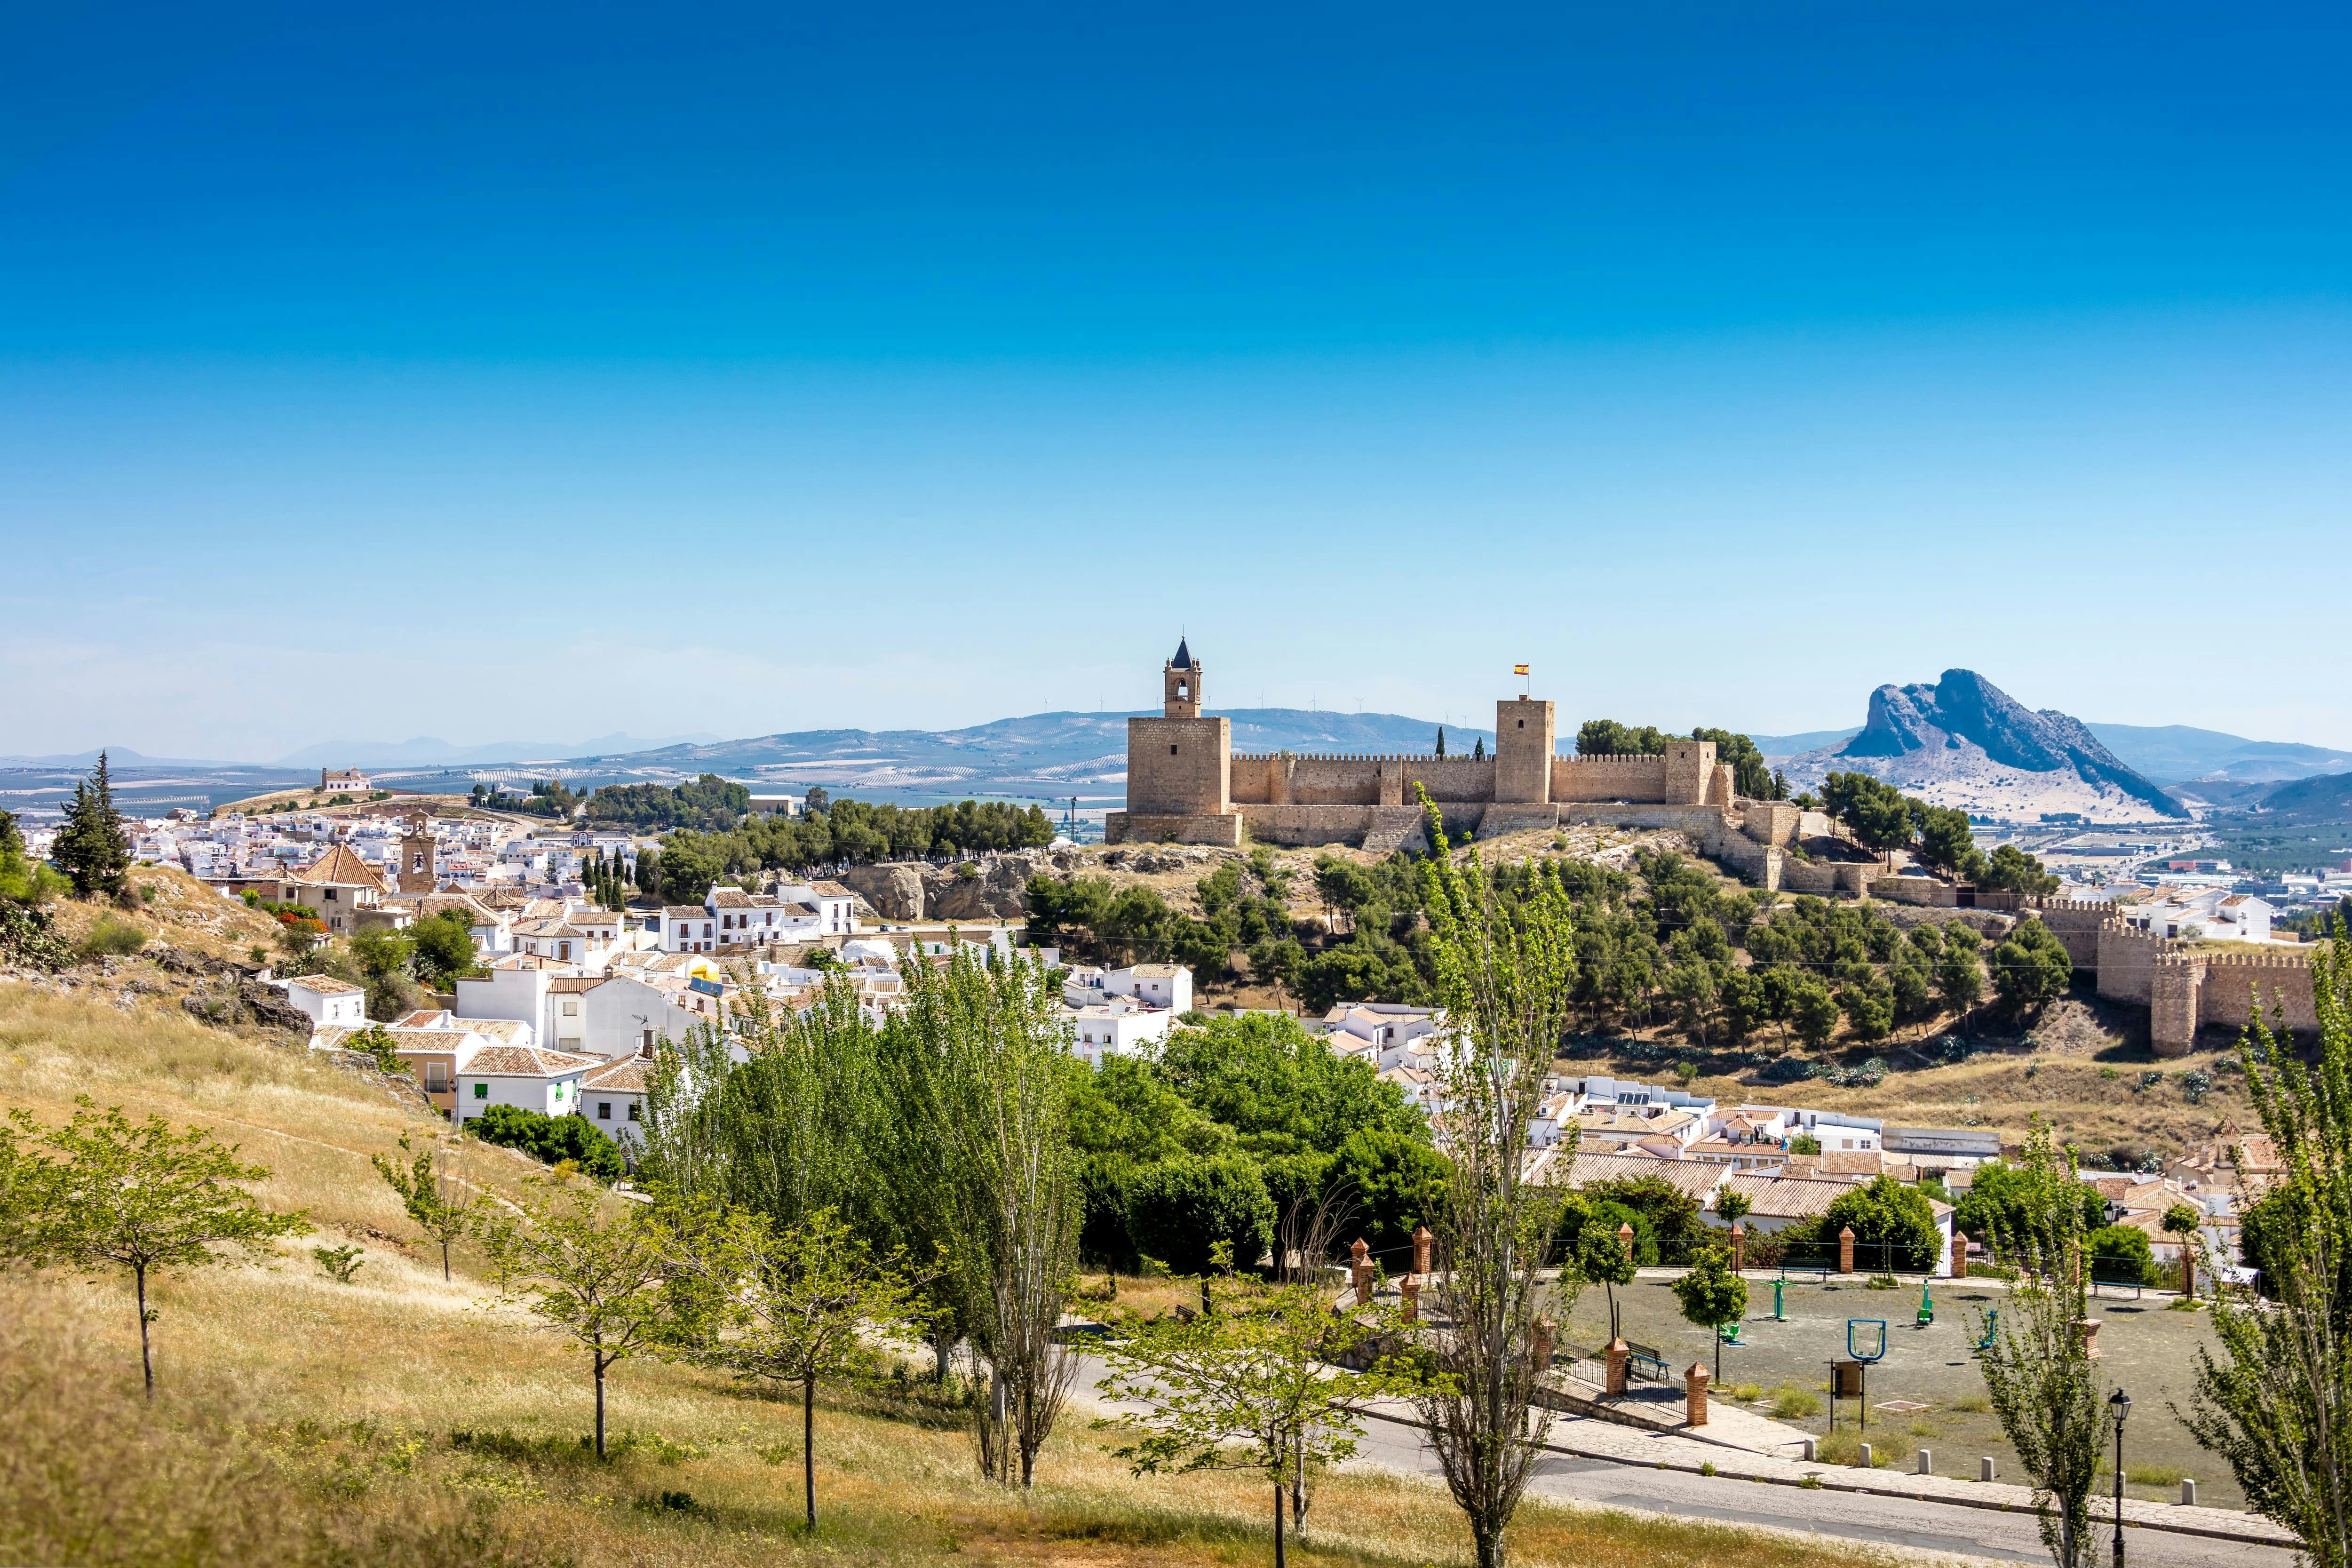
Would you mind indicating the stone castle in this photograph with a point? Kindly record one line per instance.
(1185, 784)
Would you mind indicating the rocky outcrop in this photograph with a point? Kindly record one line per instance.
(995, 891)
(895, 891)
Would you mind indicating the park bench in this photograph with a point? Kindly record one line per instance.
(1643, 1360)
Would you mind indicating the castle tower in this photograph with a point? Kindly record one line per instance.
(1524, 743)
(1180, 685)
(1179, 768)
(416, 853)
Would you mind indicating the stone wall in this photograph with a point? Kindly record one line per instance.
(1607, 778)
(1146, 827)
(2074, 921)
(2185, 986)
(2281, 980)
(1380, 828)
(1925, 892)
(1771, 821)
(1690, 768)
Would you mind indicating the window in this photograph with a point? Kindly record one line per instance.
(603, 1111)
(1523, 723)
(633, 1110)
(1172, 751)
(481, 1091)
(571, 1007)
(436, 1078)
(329, 894)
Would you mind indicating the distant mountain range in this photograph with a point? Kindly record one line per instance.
(1964, 741)
(426, 751)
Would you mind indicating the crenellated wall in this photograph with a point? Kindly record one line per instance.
(1607, 778)
(2188, 987)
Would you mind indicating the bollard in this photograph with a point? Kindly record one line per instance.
(1927, 1463)
(1862, 1459)
(1618, 1356)
(1984, 1468)
(2188, 1492)
(1812, 1449)
(1738, 1247)
(1422, 1240)
(1695, 1382)
(1626, 1239)
(1845, 1250)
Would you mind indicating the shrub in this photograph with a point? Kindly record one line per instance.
(112, 938)
(2120, 1255)
(551, 1139)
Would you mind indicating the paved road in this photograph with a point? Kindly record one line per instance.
(1896, 1521)
(1899, 1521)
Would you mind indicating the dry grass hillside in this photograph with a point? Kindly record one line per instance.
(401, 1420)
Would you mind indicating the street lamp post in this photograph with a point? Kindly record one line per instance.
(2119, 1406)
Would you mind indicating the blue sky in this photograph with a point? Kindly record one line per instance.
(488, 370)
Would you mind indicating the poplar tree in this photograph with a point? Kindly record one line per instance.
(2276, 1404)
(91, 847)
(102, 1191)
(1505, 973)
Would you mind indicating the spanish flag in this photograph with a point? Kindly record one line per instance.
(1518, 669)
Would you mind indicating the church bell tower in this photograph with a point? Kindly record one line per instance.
(1180, 685)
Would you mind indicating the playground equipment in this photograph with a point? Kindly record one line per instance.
(1778, 1316)
(1850, 1379)
(1926, 1306)
(1992, 1331)
(1728, 1333)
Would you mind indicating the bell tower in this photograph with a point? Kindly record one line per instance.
(416, 852)
(1180, 685)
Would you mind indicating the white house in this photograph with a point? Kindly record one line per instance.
(337, 885)
(1168, 985)
(526, 1078)
(327, 1000)
(613, 1098)
(1387, 1027)
(836, 905)
(759, 920)
(1118, 1027)
(517, 987)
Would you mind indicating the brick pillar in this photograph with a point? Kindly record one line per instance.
(1410, 1289)
(1738, 1247)
(1360, 1271)
(1421, 1243)
(1959, 1253)
(1845, 1250)
(1543, 1332)
(1695, 1382)
(1625, 1238)
(1618, 1355)
(2087, 1330)
(2189, 1266)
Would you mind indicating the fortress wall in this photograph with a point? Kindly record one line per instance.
(1450, 778)
(1607, 778)
(1149, 827)
(1827, 878)
(2074, 921)
(1380, 828)
(1771, 821)
(1322, 779)
(1924, 891)
(2281, 981)
(2127, 962)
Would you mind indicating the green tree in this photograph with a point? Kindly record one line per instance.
(443, 949)
(2120, 1255)
(1812, 1009)
(1712, 1295)
(1180, 1209)
(1869, 1006)
(1259, 1382)
(91, 847)
(22, 879)
(1959, 977)
(2020, 1206)
(1946, 842)
(2011, 870)
(802, 1305)
(591, 1267)
(2271, 1403)
(1604, 1259)
(976, 1071)
(551, 1139)
(1731, 1206)
(2030, 969)
(2038, 1373)
(439, 1202)
(1881, 816)
(1280, 1088)
(102, 1191)
(1390, 1184)
(1890, 1221)
(1507, 974)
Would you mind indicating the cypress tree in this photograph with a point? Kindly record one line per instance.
(1441, 739)
(91, 848)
